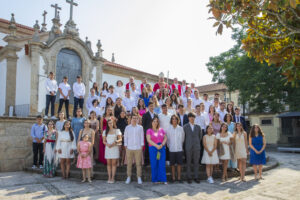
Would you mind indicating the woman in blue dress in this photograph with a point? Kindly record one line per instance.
(257, 143)
(77, 123)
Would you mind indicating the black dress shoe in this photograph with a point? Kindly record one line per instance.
(197, 180)
(180, 181)
(189, 181)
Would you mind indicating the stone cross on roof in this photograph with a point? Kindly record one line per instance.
(44, 29)
(72, 3)
(56, 9)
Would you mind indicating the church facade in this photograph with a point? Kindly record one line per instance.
(27, 55)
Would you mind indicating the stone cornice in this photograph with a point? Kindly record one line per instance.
(77, 39)
(9, 52)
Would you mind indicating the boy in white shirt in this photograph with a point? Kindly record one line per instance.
(79, 92)
(64, 91)
(51, 89)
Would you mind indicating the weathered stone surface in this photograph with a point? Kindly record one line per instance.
(280, 183)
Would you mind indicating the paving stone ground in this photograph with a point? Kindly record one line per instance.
(282, 182)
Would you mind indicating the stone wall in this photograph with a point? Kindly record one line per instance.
(15, 143)
(271, 131)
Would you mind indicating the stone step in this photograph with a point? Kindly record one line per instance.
(100, 172)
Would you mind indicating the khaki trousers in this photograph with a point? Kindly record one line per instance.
(137, 155)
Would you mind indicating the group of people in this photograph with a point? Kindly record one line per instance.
(126, 125)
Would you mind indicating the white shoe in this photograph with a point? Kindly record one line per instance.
(211, 180)
(208, 180)
(33, 167)
(45, 117)
(128, 180)
(140, 181)
(41, 167)
(53, 117)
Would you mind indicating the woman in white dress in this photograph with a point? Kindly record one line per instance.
(112, 137)
(241, 148)
(171, 109)
(103, 95)
(120, 89)
(210, 156)
(65, 146)
(224, 148)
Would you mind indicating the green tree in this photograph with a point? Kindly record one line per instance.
(272, 27)
(260, 85)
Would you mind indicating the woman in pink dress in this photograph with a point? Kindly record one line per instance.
(103, 124)
(84, 160)
(211, 113)
(141, 107)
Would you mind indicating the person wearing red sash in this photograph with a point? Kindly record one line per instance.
(184, 87)
(176, 85)
(143, 84)
(160, 84)
(128, 85)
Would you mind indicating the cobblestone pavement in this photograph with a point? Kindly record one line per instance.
(282, 182)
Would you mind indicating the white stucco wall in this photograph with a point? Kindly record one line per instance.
(23, 79)
(2, 86)
(42, 90)
(2, 43)
(93, 78)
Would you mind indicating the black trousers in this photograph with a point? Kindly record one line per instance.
(77, 102)
(38, 153)
(50, 99)
(201, 146)
(61, 102)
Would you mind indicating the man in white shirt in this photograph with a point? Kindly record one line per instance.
(193, 90)
(183, 88)
(134, 93)
(200, 119)
(51, 89)
(196, 99)
(129, 102)
(207, 103)
(134, 142)
(112, 94)
(175, 135)
(185, 98)
(91, 98)
(164, 118)
(216, 104)
(222, 111)
(79, 92)
(64, 95)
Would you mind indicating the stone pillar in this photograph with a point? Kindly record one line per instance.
(99, 72)
(11, 80)
(34, 83)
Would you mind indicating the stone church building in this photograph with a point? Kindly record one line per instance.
(27, 55)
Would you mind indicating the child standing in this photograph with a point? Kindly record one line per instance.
(210, 156)
(257, 143)
(84, 160)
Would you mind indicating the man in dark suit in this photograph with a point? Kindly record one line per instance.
(183, 118)
(193, 137)
(238, 118)
(147, 123)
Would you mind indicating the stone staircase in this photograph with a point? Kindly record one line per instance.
(100, 172)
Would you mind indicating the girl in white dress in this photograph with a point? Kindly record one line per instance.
(111, 139)
(120, 89)
(210, 156)
(103, 95)
(65, 146)
(224, 148)
(241, 148)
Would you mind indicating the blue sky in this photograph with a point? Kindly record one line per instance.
(149, 35)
